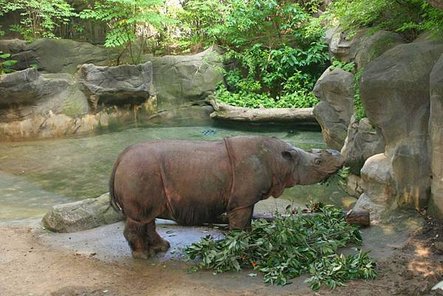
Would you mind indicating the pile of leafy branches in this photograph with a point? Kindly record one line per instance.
(289, 246)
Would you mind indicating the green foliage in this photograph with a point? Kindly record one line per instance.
(350, 67)
(273, 49)
(407, 16)
(127, 20)
(282, 77)
(198, 20)
(340, 177)
(288, 247)
(6, 63)
(39, 18)
(359, 109)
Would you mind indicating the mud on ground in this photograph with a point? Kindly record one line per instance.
(31, 264)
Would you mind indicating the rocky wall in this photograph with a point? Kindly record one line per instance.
(64, 87)
(397, 150)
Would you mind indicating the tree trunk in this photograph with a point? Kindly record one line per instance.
(227, 112)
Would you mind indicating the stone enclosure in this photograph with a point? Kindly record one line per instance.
(395, 154)
(64, 87)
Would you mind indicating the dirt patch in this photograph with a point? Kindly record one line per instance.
(29, 266)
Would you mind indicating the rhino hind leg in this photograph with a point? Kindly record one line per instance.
(143, 239)
(155, 242)
(135, 234)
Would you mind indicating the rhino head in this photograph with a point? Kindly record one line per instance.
(313, 166)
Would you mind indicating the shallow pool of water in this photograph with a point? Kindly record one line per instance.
(35, 175)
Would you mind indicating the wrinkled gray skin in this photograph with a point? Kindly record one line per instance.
(193, 182)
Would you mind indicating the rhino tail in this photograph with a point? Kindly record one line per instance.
(114, 201)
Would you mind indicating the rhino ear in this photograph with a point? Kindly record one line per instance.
(290, 155)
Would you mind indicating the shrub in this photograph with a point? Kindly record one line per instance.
(38, 18)
(273, 51)
(128, 21)
(6, 63)
(409, 17)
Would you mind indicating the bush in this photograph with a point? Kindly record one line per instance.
(288, 247)
(409, 17)
(128, 21)
(274, 53)
(6, 63)
(38, 18)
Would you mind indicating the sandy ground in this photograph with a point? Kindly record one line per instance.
(97, 262)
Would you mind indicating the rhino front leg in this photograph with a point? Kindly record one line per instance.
(240, 218)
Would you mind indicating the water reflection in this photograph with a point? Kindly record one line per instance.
(37, 174)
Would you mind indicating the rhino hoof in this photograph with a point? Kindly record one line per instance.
(141, 255)
(161, 247)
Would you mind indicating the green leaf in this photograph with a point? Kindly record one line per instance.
(281, 253)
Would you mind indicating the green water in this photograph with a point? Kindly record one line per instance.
(34, 175)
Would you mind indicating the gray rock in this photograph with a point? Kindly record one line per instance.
(81, 215)
(436, 3)
(366, 47)
(19, 52)
(362, 141)
(119, 85)
(378, 185)
(436, 138)
(395, 93)
(63, 55)
(180, 80)
(339, 44)
(28, 93)
(56, 55)
(353, 185)
(336, 93)
(361, 48)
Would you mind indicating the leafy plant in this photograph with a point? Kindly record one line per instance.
(409, 17)
(282, 77)
(6, 63)
(128, 21)
(273, 50)
(350, 67)
(199, 20)
(38, 18)
(359, 109)
(289, 246)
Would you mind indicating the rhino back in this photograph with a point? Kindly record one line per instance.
(191, 179)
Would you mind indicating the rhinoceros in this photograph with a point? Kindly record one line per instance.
(193, 182)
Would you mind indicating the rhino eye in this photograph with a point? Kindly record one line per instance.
(317, 161)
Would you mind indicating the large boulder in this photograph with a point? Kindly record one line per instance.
(27, 93)
(436, 137)
(335, 90)
(118, 85)
(362, 141)
(184, 80)
(361, 48)
(81, 215)
(436, 3)
(339, 44)
(366, 47)
(56, 55)
(378, 186)
(395, 93)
